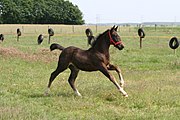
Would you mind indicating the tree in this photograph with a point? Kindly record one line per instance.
(40, 12)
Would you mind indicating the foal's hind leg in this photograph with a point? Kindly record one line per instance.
(117, 69)
(72, 78)
(59, 69)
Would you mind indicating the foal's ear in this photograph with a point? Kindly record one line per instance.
(116, 28)
(112, 28)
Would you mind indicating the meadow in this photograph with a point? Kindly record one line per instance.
(151, 74)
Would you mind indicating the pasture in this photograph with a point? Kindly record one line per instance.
(151, 74)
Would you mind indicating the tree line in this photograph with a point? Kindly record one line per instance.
(39, 12)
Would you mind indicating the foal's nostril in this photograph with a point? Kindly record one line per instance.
(122, 46)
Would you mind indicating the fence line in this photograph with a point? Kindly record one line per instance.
(79, 30)
(38, 29)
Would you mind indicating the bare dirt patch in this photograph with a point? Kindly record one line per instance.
(43, 54)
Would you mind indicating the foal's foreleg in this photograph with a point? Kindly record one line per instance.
(72, 78)
(117, 69)
(104, 70)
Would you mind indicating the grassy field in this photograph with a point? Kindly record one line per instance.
(152, 77)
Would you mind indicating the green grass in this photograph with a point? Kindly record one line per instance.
(152, 77)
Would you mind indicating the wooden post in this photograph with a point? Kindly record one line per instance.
(49, 39)
(175, 51)
(17, 38)
(96, 28)
(140, 42)
(155, 26)
(141, 36)
(18, 34)
(73, 28)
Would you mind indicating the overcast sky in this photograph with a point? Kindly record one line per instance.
(123, 11)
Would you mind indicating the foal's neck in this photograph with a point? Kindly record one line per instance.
(102, 45)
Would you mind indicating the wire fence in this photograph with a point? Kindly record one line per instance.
(79, 30)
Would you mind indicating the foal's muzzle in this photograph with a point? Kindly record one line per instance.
(120, 46)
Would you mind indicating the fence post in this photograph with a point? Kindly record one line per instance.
(140, 42)
(73, 28)
(96, 28)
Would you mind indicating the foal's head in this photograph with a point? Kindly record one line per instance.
(115, 38)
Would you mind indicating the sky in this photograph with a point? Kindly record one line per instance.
(129, 11)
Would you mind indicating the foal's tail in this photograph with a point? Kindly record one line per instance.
(56, 46)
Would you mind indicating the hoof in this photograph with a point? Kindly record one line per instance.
(126, 95)
(78, 94)
(46, 94)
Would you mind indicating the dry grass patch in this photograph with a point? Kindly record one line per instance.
(43, 54)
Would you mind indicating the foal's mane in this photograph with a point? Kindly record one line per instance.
(97, 38)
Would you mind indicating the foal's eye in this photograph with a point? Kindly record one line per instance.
(116, 36)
